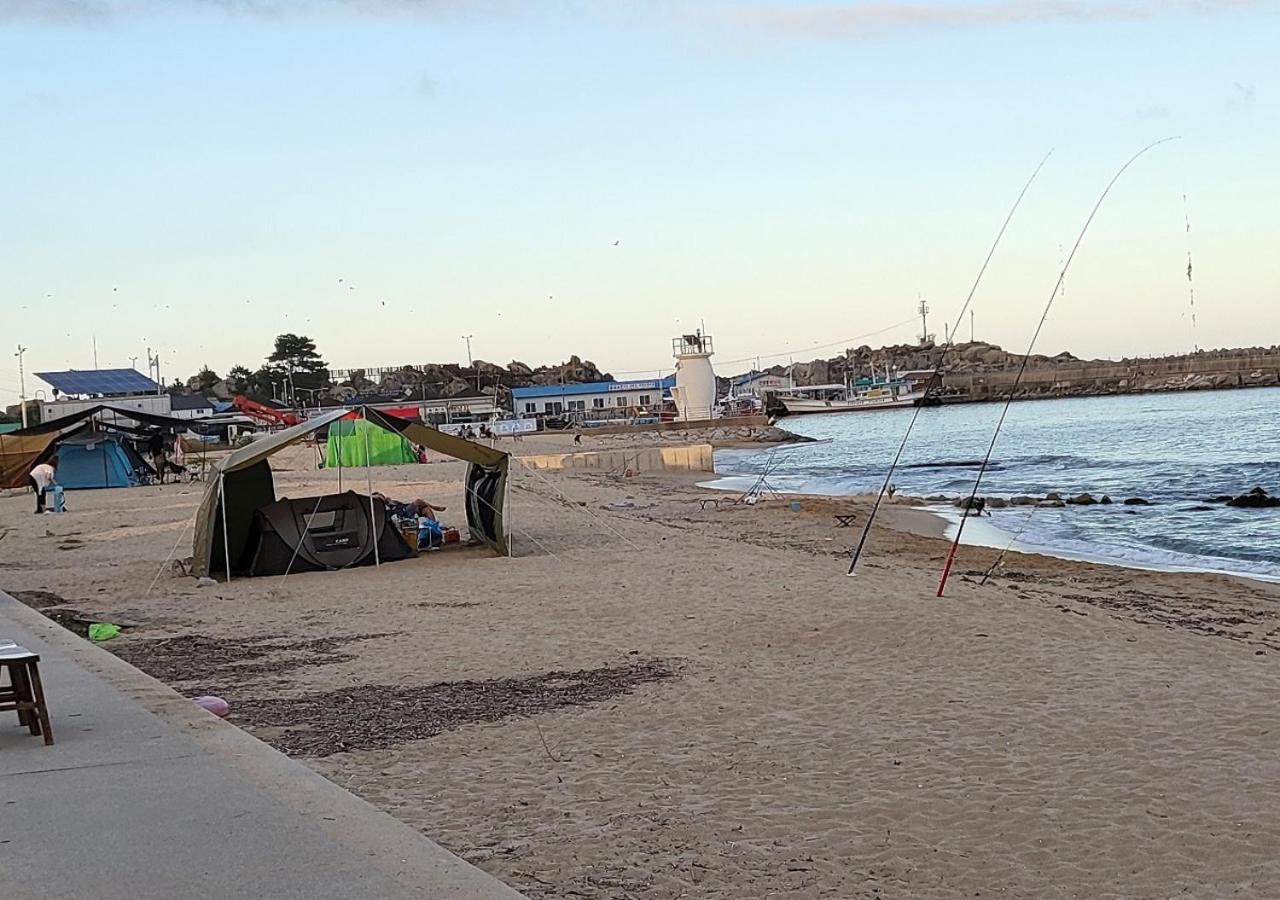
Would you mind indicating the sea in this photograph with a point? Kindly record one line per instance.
(1175, 450)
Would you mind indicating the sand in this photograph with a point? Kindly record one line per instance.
(1066, 730)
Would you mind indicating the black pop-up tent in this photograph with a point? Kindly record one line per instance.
(242, 492)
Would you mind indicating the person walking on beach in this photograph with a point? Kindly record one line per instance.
(43, 477)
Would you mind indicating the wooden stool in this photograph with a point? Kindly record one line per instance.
(25, 693)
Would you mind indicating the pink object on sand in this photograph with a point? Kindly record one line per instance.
(215, 705)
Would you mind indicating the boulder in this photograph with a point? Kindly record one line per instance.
(1082, 500)
(1105, 499)
(1053, 495)
(1136, 501)
(1221, 498)
(1051, 503)
(996, 503)
(1255, 499)
(1023, 500)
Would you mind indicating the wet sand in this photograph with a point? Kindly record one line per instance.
(1065, 730)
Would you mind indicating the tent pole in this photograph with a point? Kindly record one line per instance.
(338, 425)
(368, 475)
(226, 541)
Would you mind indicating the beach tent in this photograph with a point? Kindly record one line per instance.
(355, 443)
(243, 484)
(312, 534)
(97, 460)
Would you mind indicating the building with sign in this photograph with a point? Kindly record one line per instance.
(594, 400)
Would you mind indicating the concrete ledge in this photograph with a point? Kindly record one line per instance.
(688, 458)
(186, 794)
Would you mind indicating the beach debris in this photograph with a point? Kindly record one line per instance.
(222, 665)
(375, 716)
(215, 705)
(1255, 499)
(103, 631)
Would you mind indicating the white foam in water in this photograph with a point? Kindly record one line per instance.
(982, 532)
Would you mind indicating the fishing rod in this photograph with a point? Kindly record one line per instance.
(935, 378)
(1026, 357)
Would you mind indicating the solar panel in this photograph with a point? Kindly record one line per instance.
(99, 381)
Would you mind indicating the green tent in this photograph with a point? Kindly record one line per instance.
(349, 438)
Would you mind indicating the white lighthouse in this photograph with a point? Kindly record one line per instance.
(695, 388)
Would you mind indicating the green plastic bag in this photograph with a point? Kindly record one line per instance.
(103, 631)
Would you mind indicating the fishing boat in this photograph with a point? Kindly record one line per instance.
(888, 391)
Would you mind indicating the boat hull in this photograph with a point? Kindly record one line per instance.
(801, 406)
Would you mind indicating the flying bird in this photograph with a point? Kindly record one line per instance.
(616, 243)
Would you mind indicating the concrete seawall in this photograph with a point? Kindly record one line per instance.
(690, 458)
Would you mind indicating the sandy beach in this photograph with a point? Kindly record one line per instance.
(661, 696)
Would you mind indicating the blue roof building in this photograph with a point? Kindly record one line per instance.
(597, 399)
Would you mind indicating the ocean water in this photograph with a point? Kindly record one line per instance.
(1175, 450)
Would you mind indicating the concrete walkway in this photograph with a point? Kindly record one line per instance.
(146, 795)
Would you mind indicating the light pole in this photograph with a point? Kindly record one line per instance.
(133, 362)
(22, 384)
(467, 338)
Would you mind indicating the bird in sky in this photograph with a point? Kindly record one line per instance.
(616, 243)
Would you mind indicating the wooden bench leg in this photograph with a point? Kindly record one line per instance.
(37, 692)
(22, 688)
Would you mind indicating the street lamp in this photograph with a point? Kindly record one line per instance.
(22, 384)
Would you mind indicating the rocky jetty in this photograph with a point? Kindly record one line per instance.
(1051, 500)
(979, 371)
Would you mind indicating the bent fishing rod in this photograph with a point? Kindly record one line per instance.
(935, 377)
(1026, 357)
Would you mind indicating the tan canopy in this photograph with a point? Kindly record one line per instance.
(20, 453)
(243, 484)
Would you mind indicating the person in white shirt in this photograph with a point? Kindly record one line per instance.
(43, 477)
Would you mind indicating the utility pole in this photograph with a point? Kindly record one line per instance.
(467, 338)
(970, 326)
(22, 384)
(946, 333)
(924, 320)
(95, 351)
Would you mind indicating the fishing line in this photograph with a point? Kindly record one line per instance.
(935, 375)
(1026, 357)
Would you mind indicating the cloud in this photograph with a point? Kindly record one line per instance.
(856, 19)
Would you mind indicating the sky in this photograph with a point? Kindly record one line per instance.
(595, 177)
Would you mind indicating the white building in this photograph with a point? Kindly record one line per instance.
(757, 384)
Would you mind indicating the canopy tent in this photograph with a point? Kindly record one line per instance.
(355, 443)
(243, 484)
(97, 460)
(22, 450)
(20, 453)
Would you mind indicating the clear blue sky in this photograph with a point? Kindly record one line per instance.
(198, 176)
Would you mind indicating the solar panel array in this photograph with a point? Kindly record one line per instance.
(99, 381)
